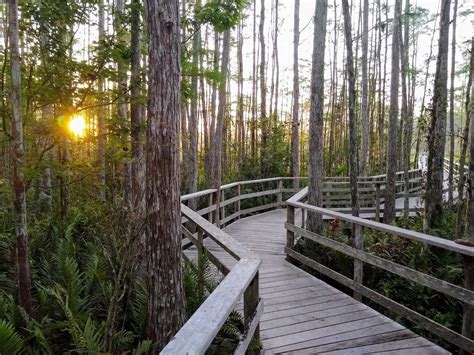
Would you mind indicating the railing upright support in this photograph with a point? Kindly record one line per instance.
(222, 197)
(211, 213)
(251, 299)
(358, 243)
(200, 249)
(377, 202)
(290, 219)
(280, 193)
(468, 313)
(238, 201)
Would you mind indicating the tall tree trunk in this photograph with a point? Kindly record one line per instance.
(365, 92)
(18, 152)
(240, 133)
(121, 39)
(315, 181)
(263, 92)
(218, 137)
(192, 163)
(210, 158)
(468, 316)
(353, 167)
(465, 142)
(390, 191)
(422, 106)
(437, 136)
(406, 148)
(295, 139)
(166, 302)
(136, 116)
(253, 140)
(101, 112)
(452, 137)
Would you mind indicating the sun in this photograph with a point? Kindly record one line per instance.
(77, 126)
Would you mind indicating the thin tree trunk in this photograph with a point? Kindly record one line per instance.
(263, 92)
(18, 152)
(460, 230)
(437, 136)
(404, 48)
(451, 109)
(315, 178)
(353, 166)
(468, 313)
(295, 139)
(365, 93)
(217, 141)
(136, 118)
(101, 112)
(422, 107)
(192, 163)
(390, 191)
(166, 301)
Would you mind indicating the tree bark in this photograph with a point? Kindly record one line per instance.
(166, 302)
(353, 166)
(218, 137)
(389, 210)
(406, 149)
(437, 136)
(365, 92)
(101, 112)
(192, 163)
(295, 139)
(452, 137)
(18, 152)
(462, 159)
(315, 178)
(263, 92)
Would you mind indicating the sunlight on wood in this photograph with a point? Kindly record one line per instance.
(77, 126)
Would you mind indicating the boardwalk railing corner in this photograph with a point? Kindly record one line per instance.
(199, 331)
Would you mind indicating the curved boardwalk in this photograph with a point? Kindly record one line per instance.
(304, 315)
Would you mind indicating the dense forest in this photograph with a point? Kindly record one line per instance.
(113, 109)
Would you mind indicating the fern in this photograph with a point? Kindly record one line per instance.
(142, 348)
(10, 341)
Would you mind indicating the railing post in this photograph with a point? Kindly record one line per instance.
(377, 202)
(209, 215)
(290, 219)
(216, 200)
(280, 193)
(468, 313)
(251, 299)
(238, 201)
(358, 243)
(222, 197)
(200, 261)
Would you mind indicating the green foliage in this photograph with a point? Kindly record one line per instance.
(10, 340)
(222, 14)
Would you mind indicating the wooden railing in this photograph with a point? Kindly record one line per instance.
(199, 331)
(362, 257)
(219, 208)
(243, 198)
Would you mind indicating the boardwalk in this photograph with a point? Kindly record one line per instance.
(304, 315)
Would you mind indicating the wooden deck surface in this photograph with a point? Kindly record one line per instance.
(304, 315)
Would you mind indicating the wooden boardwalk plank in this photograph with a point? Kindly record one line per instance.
(302, 314)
